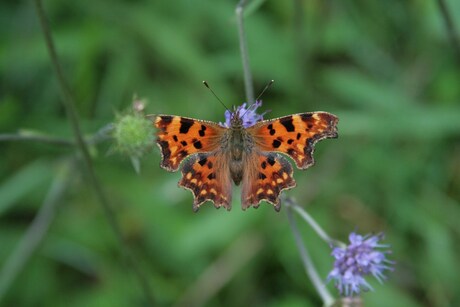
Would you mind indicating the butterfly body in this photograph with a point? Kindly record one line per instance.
(239, 148)
(249, 155)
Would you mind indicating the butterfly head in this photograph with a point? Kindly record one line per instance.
(243, 116)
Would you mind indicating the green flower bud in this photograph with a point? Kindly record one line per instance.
(133, 135)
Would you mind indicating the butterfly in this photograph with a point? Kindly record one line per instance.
(246, 150)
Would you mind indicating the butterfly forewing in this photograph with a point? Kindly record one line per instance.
(295, 135)
(179, 137)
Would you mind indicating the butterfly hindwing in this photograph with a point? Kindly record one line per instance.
(295, 135)
(205, 176)
(271, 174)
(179, 137)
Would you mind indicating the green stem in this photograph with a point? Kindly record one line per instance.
(69, 106)
(23, 136)
(4, 137)
(310, 269)
(290, 202)
(248, 86)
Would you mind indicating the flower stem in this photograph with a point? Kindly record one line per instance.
(101, 135)
(69, 105)
(290, 202)
(41, 138)
(244, 52)
(327, 298)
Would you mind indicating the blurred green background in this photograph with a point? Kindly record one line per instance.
(386, 68)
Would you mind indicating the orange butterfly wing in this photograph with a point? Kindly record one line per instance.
(205, 176)
(295, 135)
(179, 137)
(266, 179)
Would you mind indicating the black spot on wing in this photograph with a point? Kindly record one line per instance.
(272, 131)
(290, 141)
(183, 153)
(197, 145)
(185, 125)
(306, 116)
(166, 120)
(203, 161)
(271, 160)
(276, 143)
(175, 138)
(211, 176)
(287, 123)
(298, 136)
(202, 132)
(184, 143)
(262, 176)
(263, 165)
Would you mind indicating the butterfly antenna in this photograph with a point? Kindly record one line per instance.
(265, 88)
(260, 95)
(207, 85)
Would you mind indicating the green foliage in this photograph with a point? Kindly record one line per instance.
(386, 68)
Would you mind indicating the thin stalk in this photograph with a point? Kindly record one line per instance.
(69, 105)
(299, 29)
(310, 269)
(21, 137)
(313, 224)
(101, 135)
(248, 85)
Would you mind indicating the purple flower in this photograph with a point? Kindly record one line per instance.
(358, 260)
(248, 115)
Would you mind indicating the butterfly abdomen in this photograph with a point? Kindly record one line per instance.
(240, 145)
(234, 151)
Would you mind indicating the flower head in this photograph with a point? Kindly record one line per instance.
(248, 115)
(133, 134)
(358, 260)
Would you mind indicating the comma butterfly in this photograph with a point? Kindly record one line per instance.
(245, 149)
